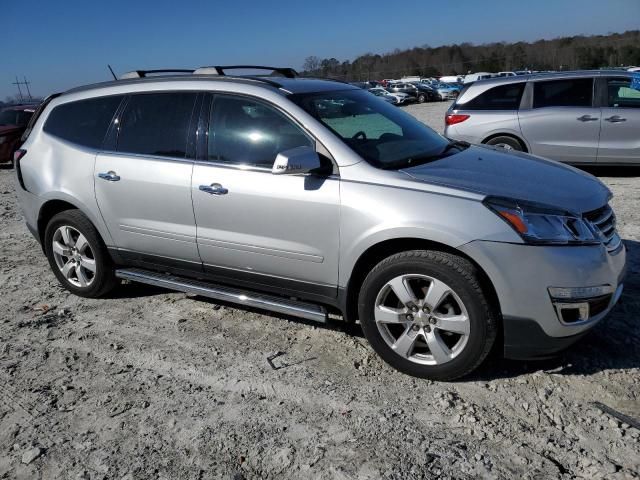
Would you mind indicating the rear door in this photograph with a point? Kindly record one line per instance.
(562, 122)
(143, 186)
(620, 133)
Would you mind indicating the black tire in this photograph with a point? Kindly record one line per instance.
(462, 277)
(104, 279)
(422, 98)
(508, 143)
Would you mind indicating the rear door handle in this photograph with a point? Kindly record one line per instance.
(616, 119)
(214, 189)
(110, 176)
(587, 118)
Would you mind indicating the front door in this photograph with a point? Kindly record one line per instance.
(562, 123)
(143, 188)
(620, 133)
(271, 231)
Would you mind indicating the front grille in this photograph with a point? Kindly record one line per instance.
(603, 221)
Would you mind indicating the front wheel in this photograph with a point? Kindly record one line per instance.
(422, 98)
(426, 314)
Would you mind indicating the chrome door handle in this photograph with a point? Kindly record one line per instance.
(214, 189)
(616, 119)
(587, 118)
(110, 176)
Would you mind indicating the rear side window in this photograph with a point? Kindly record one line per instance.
(502, 97)
(574, 92)
(84, 122)
(157, 124)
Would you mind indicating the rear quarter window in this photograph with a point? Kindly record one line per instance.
(84, 122)
(501, 97)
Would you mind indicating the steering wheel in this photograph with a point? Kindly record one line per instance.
(360, 135)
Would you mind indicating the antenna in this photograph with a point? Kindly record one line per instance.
(111, 70)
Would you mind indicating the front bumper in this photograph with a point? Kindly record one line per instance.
(521, 275)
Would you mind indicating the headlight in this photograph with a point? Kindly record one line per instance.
(539, 224)
(3, 139)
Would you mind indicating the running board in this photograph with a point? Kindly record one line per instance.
(286, 306)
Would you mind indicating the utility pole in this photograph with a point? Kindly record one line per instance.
(26, 84)
(18, 83)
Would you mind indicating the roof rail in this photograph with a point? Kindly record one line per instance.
(144, 73)
(220, 70)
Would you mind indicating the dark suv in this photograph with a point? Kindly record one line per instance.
(13, 122)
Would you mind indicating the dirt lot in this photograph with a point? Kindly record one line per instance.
(152, 384)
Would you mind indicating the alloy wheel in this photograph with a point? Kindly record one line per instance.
(73, 256)
(422, 319)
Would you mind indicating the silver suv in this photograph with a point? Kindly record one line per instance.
(309, 197)
(575, 117)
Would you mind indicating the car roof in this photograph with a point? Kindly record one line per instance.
(282, 84)
(550, 76)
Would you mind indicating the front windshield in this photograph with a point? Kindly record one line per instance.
(379, 132)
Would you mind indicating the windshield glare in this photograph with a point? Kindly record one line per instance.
(382, 134)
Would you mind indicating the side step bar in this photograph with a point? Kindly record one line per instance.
(286, 306)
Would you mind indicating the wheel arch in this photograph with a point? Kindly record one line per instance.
(519, 139)
(53, 206)
(379, 251)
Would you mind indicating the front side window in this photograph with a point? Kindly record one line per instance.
(621, 95)
(157, 124)
(502, 97)
(84, 122)
(246, 132)
(382, 134)
(574, 92)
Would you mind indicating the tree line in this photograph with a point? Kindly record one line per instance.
(565, 53)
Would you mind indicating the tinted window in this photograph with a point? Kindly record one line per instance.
(242, 131)
(157, 124)
(575, 92)
(503, 97)
(84, 122)
(621, 95)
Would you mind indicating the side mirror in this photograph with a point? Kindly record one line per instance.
(295, 161)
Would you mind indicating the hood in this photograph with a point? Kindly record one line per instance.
(493, 171)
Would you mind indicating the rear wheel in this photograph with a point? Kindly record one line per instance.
(508, 143)
(425, 314)
(422, 98)
(77, 255)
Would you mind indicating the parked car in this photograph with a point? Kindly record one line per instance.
(445, 91)
(574, 117)
(395, 98)
(425, 92)
(244, 189)
(13, 122)
(401, 87)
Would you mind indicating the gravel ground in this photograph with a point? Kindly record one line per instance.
(152, 384)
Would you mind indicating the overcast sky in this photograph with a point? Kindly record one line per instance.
(61, 44)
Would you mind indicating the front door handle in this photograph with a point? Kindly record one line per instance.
(587, 118)
(110, 176)
(616, 119)
(214, 189)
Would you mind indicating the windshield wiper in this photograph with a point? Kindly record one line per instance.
(455, 144)
(420, 160)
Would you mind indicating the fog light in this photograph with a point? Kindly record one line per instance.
(575, 293)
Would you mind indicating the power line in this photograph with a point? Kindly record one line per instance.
(26, 84)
